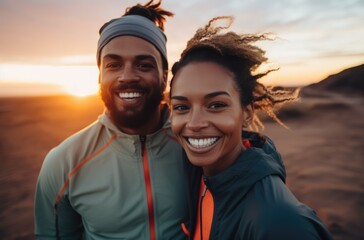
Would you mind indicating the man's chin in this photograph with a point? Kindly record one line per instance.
(128, 120)
(132, 117)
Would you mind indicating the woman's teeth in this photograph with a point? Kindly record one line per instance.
(202, 142)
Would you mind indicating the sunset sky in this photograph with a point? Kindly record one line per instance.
(49, 46)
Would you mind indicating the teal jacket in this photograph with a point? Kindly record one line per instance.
(251, 200)
(104, 184)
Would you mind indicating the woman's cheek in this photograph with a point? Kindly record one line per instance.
(175, 123)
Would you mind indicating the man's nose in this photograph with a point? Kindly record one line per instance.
(128, 73)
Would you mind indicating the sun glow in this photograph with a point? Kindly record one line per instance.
(81, 91)
(73, 80)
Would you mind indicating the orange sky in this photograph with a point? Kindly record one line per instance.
(49, 47)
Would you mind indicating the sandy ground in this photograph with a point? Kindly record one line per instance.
(323, 152)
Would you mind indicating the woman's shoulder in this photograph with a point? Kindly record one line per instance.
(284, 220)
(277, 214)
(272, 189)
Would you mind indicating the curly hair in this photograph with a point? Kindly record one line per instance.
(237, 53)
(151, 11)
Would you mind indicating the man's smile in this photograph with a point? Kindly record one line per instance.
(130, 95)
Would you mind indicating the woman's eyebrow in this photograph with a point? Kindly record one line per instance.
(208, 96)
(179, 98)
(215, 94)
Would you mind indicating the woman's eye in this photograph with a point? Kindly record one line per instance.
(217, 105)
(180, 108)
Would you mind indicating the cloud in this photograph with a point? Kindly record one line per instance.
(341, 54)
(54, 32)
(35, 28)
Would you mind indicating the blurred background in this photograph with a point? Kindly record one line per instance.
(49, 46)
(48, 91)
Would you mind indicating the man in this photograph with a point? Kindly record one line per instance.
(121, 177)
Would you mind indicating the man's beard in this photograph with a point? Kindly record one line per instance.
(132, 118)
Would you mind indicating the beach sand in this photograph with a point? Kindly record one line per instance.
(323, 153)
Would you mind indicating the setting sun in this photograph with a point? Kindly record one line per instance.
(81, 91)
(75, 80)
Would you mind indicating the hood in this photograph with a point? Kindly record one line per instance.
(255, 163)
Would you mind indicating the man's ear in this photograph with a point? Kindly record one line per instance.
(164, 80)
(248, 111)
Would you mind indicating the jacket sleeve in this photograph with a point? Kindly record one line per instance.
(282, 222)
(51, 223)
(282, 216)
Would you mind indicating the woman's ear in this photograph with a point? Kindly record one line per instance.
(248, 112)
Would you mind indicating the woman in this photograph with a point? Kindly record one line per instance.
(236, 183)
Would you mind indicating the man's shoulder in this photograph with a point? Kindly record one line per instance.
(80, 136)
(75, 143)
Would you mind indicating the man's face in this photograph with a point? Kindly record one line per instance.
(132, 81)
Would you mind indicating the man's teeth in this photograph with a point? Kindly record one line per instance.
(130, 95)
(201, 143)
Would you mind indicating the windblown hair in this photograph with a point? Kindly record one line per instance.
(237, 53)
(151, 11)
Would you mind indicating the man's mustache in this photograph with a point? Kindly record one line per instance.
(130, 86)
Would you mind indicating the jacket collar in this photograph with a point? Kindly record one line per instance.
(251, 166)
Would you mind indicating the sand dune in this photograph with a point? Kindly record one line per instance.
(349, 81)
(323, 153)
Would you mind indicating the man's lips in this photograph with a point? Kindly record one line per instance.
(129, 91)
(130, 95)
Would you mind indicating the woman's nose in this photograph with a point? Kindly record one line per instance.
(197, 120)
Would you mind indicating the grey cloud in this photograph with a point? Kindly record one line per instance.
(49, 28)
(339, 54)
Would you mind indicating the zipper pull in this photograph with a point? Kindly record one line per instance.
(205, 186)
(143, 139)
(204, 191)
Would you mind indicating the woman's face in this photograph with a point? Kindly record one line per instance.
(207, 116)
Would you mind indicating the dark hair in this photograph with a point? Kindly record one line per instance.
(153, 12)
(236, 53)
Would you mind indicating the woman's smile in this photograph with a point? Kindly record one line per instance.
(207, 116)
(202, 142)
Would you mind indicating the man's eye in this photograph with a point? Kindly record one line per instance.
(217, 105)
(145, 66)
(113, 65)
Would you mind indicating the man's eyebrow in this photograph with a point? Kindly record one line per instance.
(146, 57)
(112, 56)
(138, 57)
(208, 96)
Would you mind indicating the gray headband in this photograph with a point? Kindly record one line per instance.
(133, 25)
